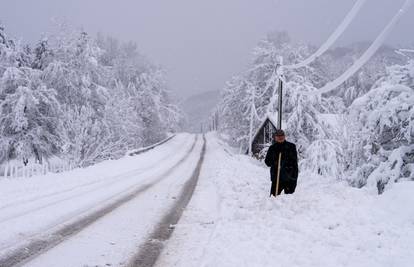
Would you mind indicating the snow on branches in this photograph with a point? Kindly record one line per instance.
(385, 118)
(80, 99)
(362, 132)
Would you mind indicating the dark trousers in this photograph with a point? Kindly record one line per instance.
(288, 186)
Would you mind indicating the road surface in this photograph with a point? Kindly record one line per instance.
(102, 220)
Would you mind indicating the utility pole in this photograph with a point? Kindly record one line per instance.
(279, 115)
(279, 70)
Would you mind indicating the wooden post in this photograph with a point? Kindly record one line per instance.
(278, 174)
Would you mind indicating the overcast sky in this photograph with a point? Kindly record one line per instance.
(202, 44)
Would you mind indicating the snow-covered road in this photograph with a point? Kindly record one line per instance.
(229, 221)
(37, 218)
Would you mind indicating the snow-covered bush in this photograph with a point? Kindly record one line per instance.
(398, 164)
(385, 118)
(324, 157)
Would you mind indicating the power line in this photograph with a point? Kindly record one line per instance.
(368, 53)
(332, 39)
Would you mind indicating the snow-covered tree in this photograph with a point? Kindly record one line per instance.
(234, 109)
(385, 117)
(43, 55)
(80, 99)
(259, 85)
(362, 131)
(29, 122)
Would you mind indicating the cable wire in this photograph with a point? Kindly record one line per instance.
(369, 52)
(334, 36)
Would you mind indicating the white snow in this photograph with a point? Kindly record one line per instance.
(115, 238)
(231, 221)
(49, 201)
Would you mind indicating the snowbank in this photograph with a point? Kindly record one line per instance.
(231, 221)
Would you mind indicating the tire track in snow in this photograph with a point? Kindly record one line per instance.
(38, 208)
(42, 244)
(151, 249)
(102, 184)
(119, 176)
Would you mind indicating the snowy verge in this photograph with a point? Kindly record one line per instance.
(231, 221)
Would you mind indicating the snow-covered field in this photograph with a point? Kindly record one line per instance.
(231, 221)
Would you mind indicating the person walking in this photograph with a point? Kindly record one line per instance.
(282, 159)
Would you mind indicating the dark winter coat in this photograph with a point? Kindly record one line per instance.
(289, 161)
